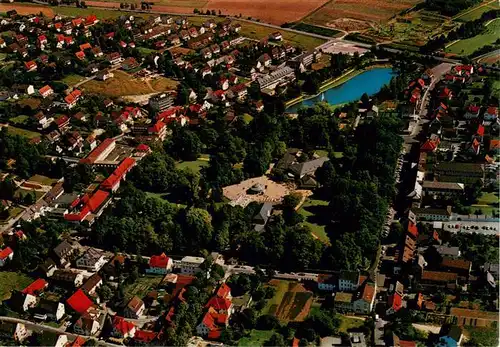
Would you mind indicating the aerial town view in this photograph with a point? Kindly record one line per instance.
(249, 173)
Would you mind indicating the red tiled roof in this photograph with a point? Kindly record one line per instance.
(90, 19)
(44, 89)
(219, 303)
(117, 175)
(429, 145)
(142, 148)
(474, 108)
(159, 261)
(97, 199)
(145, 335)
(403, 343)
(438, 276)
(412, 229)
(78, 342)
(92, 157)
(36, 287)
(492, 110)
(123, 326)
(209, 322)
(395, 301)
(85, 46)
(368, 293)
(61, 120)
(4, 253)
(79, 302)
(224, 291)
(30, 64)
(494, 144)
(480, 130)
(159, 125)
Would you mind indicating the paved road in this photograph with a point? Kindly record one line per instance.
(42, 327)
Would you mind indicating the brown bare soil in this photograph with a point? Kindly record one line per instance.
(27, 9)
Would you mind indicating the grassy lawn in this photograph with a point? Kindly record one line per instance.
(72, 79)
(124, 84)
(21, 119)
(281, 288)
(247, 118)
(496, 87)
(42, 180)
(347, 323)
(10, 281)
(23, 132)
(488, 199)
(470, 15)
(13, 211)
(146, 51)
(142, 286)
(22, 191)
(311, 210)
(256, 338)
(469, 46)
(193, 165)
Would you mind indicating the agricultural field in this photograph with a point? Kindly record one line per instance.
(10, 281)
(275, 12)
(476, 12)
(311, 209)
(413, 29)
(26, 8)
(124, 84)
(469, 46)
(142, 286)
(256, 338)
(291, 302)
(365, 10)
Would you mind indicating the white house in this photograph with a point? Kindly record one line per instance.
(92, 260)
(160, 264)
(191, 265)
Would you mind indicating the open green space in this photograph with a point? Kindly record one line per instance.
(21, 192)
(146, 51)
(281, 287)
(100, 13)
(347, 323)
(142, 286)
(247, 118)
(496, 87)
(256, 338)
(481, 336)
(10, 281)
(309, 28)
(475, 13)
(312, 209)
(488, 199)
(469, 46)
(21, 119)
(193, 165)
(23, 132)
(12, 212)
(72, 79)
(42, 180)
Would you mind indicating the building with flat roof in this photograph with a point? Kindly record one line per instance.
(191, 265)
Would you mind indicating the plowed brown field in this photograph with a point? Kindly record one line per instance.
(27, 9)
(274, 12)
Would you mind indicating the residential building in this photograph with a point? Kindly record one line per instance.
(122, 328)
(48, 267)
(161, 102)
(6, 255)
(36, 287)
(343, 302)
(432, 214)
(79, 302)
(160, 264)
(450, 336)
(262, 216)
(91, 260)
(348, 281)
(327, 282)
(461, 267)
(191, 265)
(22, 302)
(281, 75)
(90, 286)
(459, 172)
(135, 308)
(365, 298)
(74, 279)
(439, 279)
(53, 310)
(89, 324)
(474, 318)
(443, 190)
(16, 331)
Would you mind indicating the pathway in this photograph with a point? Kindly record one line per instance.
(473, 9)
